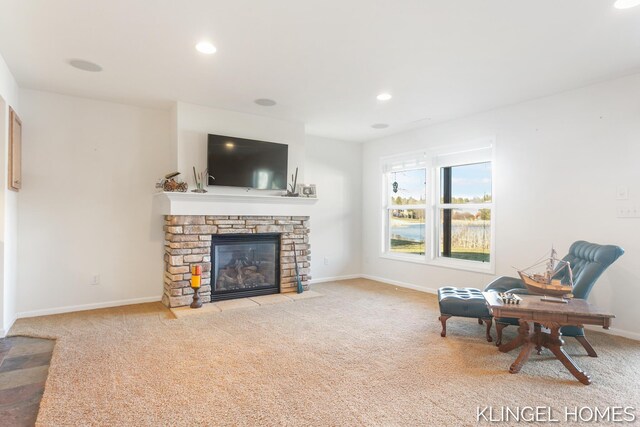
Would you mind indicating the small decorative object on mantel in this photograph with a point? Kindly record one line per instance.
(196, 272)
(305, 190)
(291, 192)
(200, 179)
(168, 183)
(309, 191)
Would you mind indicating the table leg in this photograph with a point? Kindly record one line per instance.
(537, 328)
(526, 351)
(524, 337)
(587, 346)
(555, 343)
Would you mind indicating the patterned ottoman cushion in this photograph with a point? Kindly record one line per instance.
(463, 302)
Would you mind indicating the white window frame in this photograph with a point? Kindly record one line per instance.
(388, 207)
(478, 151)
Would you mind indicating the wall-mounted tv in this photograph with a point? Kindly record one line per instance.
(238, 162)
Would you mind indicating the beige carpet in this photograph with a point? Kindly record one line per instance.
(363, 354)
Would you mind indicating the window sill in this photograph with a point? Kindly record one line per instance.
(458, 264)
(416, 259)
(476, 267)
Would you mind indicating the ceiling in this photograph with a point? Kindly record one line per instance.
(323, 61)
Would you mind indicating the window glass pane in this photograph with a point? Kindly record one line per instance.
(407, 231)
(408, 187)
(465, 234)
(468, 183)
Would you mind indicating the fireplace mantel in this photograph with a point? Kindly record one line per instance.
(166, 203)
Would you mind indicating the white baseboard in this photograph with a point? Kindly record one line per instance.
(615, 331)
(72, 308)
(334, 278)
(83, 307)
(401, 284)
(4, 332)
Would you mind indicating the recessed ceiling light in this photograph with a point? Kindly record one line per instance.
(380, 126)
(265, 102)
(626, 4)
(83, 65)
(384, 97)
(206, 48)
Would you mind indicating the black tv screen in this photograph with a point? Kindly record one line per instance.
(238, 162)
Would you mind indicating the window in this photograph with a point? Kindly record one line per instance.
(407, 211)
(465, 207)
(438, 208)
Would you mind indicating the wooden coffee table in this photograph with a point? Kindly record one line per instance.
(533, 312)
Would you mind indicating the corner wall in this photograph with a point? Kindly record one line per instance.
(336, 169)
(89, 169)
(559, 163)
(8, 205)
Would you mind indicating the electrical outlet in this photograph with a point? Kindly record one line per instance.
(95, 280)
(628, 211)
(326, 261)
(622, 193)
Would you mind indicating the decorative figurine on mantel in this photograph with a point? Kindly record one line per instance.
(169, 183)
(200, 180)
(294, 181)
(196, 273)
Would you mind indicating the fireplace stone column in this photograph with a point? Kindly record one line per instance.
(188, 242)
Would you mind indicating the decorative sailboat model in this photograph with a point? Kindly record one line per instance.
(549, 282)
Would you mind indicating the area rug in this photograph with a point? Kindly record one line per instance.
(365, 353)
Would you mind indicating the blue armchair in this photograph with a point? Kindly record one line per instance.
(588, 262)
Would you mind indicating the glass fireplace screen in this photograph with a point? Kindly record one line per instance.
(245, 263)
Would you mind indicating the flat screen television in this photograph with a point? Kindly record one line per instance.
(238, 162)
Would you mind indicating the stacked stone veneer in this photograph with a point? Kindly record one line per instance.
(188, 242)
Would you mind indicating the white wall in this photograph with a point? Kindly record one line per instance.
(89, 169)
(8, 205)
(195, 122)
(336, 169)
(334, 166)
(559, 161)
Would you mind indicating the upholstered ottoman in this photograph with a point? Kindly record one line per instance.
(463, 302)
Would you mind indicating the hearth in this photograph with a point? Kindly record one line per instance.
(244, 265)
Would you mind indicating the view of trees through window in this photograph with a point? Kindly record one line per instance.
(465, 225)
(407, 211)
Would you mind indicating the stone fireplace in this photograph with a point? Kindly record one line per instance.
(241, 267)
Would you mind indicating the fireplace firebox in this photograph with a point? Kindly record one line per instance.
(244, 265)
